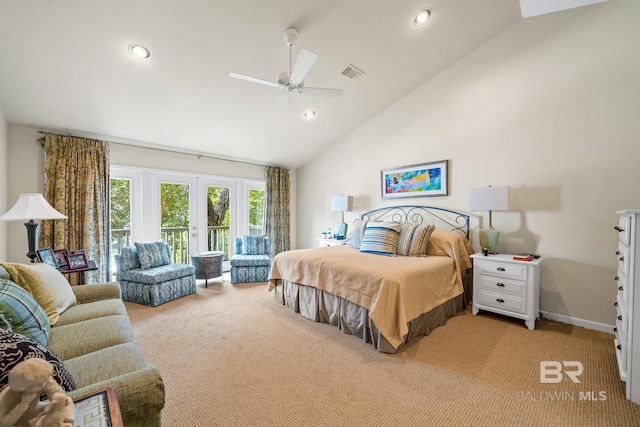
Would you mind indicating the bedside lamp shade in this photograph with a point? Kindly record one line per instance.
(31, 206)
(341, 204)
(489, 199)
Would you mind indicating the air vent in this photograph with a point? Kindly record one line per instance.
(351, 72)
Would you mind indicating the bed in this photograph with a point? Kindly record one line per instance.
(385, 300)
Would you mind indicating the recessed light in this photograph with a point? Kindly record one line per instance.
(139, 51)
(310, 114)
(421, 17)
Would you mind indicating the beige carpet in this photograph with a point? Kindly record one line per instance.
(230, 356)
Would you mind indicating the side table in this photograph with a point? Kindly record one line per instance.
(91, 266)
(98, 409)
(208, 265)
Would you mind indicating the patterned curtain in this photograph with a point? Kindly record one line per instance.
(76, 183)
(278, 203)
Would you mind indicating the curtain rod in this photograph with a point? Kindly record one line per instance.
(169, 150)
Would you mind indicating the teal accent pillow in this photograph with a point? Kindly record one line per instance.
(253, 245)
(129, 258)
(413, 239)
(153, 254)
(380, 238)
(23, 313)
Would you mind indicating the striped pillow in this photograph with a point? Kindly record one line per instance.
(23, 313)
(414, 238)
(380, 238)
(358, 232)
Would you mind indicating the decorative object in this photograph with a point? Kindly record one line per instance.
(62, 258)
(77, 259)
(489, 199)
(423, 180)
(31, 206)
(341, 204)
(46, 256)
(98, 409)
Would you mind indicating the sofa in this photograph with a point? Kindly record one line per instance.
(147, 275)
(251, 261)
(84, 331)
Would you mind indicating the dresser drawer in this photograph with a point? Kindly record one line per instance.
(624, 229)
(623, 260)
(501, 301)
(502, 269)
(500, 285)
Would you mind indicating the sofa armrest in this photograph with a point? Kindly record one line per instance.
(97, 292)
(141, 394)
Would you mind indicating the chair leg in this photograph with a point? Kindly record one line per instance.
(206, 282)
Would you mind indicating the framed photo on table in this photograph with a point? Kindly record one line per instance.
(46, 256)
(62, 258)
(423, 180)
(77, 259)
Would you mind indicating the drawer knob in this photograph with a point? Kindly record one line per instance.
(619, 347)
(619, 288)
(500, 284)
(618, 229)
(615, 304)
(500, 269)
(620, 317)
(615, 329)
(621, 258)
(499, 300)
(617, 252)
(616, 278)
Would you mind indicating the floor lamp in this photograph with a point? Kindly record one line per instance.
(31, 206)
(489, 199)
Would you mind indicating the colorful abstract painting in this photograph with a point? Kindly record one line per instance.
(422, 180)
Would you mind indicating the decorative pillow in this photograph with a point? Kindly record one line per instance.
(14, 348)
(238, 245)
(153, 254)
(253, 245)
(23, 313)
(380, 238)
(358, 232)
(129, 258)
(47, 285)
(413, 239)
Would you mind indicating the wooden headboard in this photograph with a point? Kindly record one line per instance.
(440, 217)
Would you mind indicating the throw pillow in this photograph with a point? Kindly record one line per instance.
(380, 238)
(413, 239)
(253, 245)
(14, 348)
(47, 285)
(129, 258)
(358, 232)
(153, 254)
(23, 313)
(238, 246)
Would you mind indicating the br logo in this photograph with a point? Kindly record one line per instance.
(551, 371)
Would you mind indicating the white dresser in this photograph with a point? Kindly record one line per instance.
(506, 286)
(627, 303)
(323, 243)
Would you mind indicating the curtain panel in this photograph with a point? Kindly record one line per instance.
(76, 183)
(278, 208)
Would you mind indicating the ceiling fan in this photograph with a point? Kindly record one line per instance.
(291, 82)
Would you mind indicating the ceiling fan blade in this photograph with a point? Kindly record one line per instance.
(321, 91)
(282, 100)
(252, 79)
(305, 61)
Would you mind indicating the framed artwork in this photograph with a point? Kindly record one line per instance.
(46, 256)
(62, 258)
(77, 259)
(423, 180)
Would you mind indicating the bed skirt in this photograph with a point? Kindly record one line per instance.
(320, 306)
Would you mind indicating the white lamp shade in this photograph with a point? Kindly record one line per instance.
(489, 199)
(31, 206)
(341, 203)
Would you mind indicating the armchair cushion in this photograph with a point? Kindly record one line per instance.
(254, 245)
(153, 254)
(129, 258)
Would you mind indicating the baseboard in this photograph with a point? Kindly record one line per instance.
(603, 327)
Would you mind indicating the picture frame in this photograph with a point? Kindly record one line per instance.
(421, 180)
(77, 260)
(62, 258)
(46, 256)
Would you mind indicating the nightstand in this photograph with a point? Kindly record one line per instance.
(506, 286)
(323, 243)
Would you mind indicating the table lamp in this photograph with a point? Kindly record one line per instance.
(489, 199)
(31, 206)
(341, 204)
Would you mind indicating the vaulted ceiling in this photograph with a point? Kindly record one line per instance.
(65, 66)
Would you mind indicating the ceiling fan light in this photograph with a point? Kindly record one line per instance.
(139, 51)
(422, 16)
(310, 114)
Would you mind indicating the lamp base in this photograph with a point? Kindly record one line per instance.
(489, 239)
(32, 238)
(342, 229)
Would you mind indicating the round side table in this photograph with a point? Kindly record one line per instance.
(208, 265)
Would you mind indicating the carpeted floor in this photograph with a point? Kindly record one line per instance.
(231, 356)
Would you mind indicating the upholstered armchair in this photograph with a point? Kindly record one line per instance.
(251, 261)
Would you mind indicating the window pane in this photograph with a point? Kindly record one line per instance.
(120, 214)
(256, 211)
(218, 219)
(174, 220)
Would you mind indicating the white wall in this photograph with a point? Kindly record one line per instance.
(4, 185)
(548, 107)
